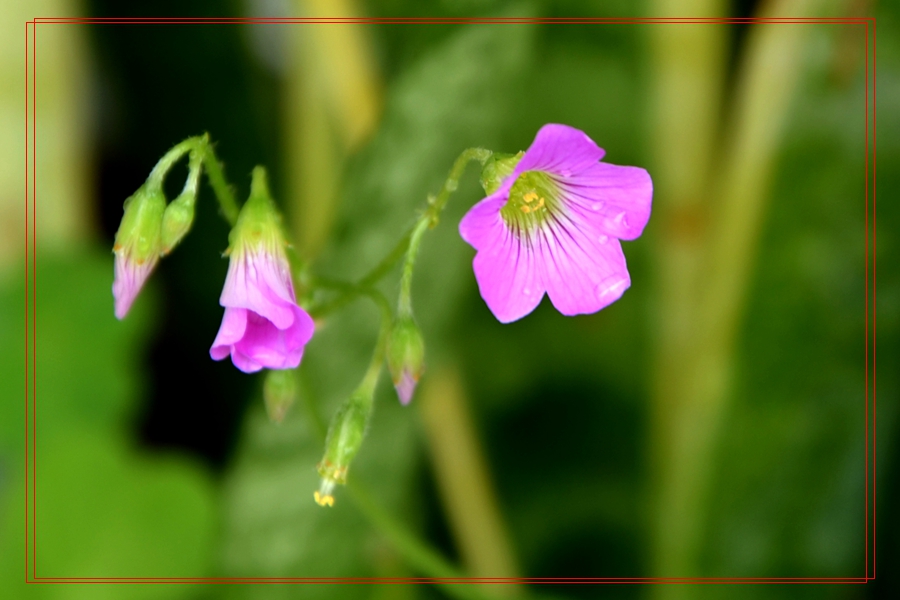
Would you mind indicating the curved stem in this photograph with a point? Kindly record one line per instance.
(408, 244)
(216, 175)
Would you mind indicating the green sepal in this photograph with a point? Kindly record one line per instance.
(279, 393)
(497, 168)
(139, 233)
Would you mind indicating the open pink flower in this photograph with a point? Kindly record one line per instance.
(263, 326)
(554, 225)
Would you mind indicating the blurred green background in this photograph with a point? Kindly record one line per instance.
(710, 423)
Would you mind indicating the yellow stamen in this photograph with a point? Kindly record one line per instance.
(530, 197)
(323, 499)
(525, 209)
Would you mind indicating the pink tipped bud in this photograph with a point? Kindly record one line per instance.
(405, 357)
(137, 246)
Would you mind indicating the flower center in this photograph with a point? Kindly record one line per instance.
(532, 200)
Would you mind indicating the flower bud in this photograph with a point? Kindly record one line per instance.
(405, 357)
(279, 392)
(177, 220)
(179, 214)
(345, 436)
(138, 244)
(497, 168)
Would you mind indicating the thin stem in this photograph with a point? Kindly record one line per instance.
(169, 159)
(216, 175)
(405, 302)
(452, 182)
(429, 219)
(408, 244)
(387, 317)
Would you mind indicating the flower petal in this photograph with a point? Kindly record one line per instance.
(258, 281)
(559, 150)
(275, 348)
(405, 388)
(508, 275)
(130, 277)
(244, 362)
(614, 199)
(234, 324)
(581, 274)
(480, 226)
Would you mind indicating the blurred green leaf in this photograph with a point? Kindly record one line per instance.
(104, 508)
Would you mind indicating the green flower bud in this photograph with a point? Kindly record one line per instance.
(497, 168)
(138, 244)
(279, 392)
(345, 436)
(405, 357)
(179, 214)
(177, 220)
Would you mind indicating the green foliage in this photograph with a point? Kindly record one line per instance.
(104, 508)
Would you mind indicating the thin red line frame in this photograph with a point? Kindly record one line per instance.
(30, 304)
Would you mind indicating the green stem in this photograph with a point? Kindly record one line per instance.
(387, 318)
(408, 244)
(169, 159)
(405, 302)
(429, 219)
(216, 175)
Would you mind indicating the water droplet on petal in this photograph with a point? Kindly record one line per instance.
(611, 286)
(603, 239)
(596, 206)
(565, 173)
(619, 219)
(526, 291)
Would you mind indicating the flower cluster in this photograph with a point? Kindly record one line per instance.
(551, 224)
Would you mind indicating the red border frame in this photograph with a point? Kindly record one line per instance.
(30, 255)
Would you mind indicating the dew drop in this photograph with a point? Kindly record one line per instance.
(603, 239)
(596, 206)
(526, 291)
(620, 219)
(611, 286)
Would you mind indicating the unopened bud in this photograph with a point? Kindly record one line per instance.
(177, 220)
(179, 214)
(345, 436)
(138, 245)
(497, 168)
(405, 357)
(279, 392)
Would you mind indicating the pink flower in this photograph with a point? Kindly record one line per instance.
(554, 224)
(263, 326)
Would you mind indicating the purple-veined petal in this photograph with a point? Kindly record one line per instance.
(560, 150)
(255, 282)
(612, 198)
(482, 224)
(508, 276)
(582, 274)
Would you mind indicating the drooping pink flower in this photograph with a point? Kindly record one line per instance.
(554, 224)
(263, 326)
